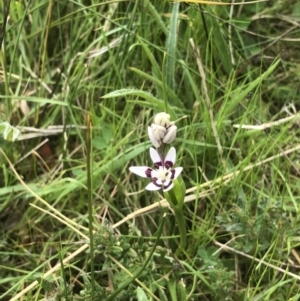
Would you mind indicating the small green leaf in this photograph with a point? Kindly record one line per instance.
(140, 294)
(9, 132)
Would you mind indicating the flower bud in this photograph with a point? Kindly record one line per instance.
(159, 132)
(155, 142)
(162, 130)
(170, 135)
(162, 119)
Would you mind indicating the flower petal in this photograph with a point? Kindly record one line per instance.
(168, 187)
(155, 157)
(141, 171)
(152, 187)
(170, 158)
(176, 172)
(158, 182)
(152, 139)
(167, 182)
(154, 174)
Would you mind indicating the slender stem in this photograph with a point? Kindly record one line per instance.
(62, 270)
(164, 83)
(90, 201)
(3, 55)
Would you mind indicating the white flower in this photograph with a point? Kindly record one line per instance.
(163, 175)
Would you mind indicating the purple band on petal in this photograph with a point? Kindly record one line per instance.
(168, 164)
(148, 172)
(172, 174)
(158, 164)
(154, 181)
(167, 186)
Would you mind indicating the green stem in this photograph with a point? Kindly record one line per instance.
(182, 230)
(89, 169)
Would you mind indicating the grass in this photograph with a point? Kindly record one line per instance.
(76, 224)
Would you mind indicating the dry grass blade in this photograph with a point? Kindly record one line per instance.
(260, 261)
(220, 3)
(267, 125)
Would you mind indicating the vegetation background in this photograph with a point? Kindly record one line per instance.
(99, 71)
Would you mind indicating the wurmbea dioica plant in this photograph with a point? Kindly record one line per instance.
(164, 175)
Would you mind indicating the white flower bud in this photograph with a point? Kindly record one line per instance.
(162, 119)
(155, 142)
(170, 135)
(162, 130)
(158, 131)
